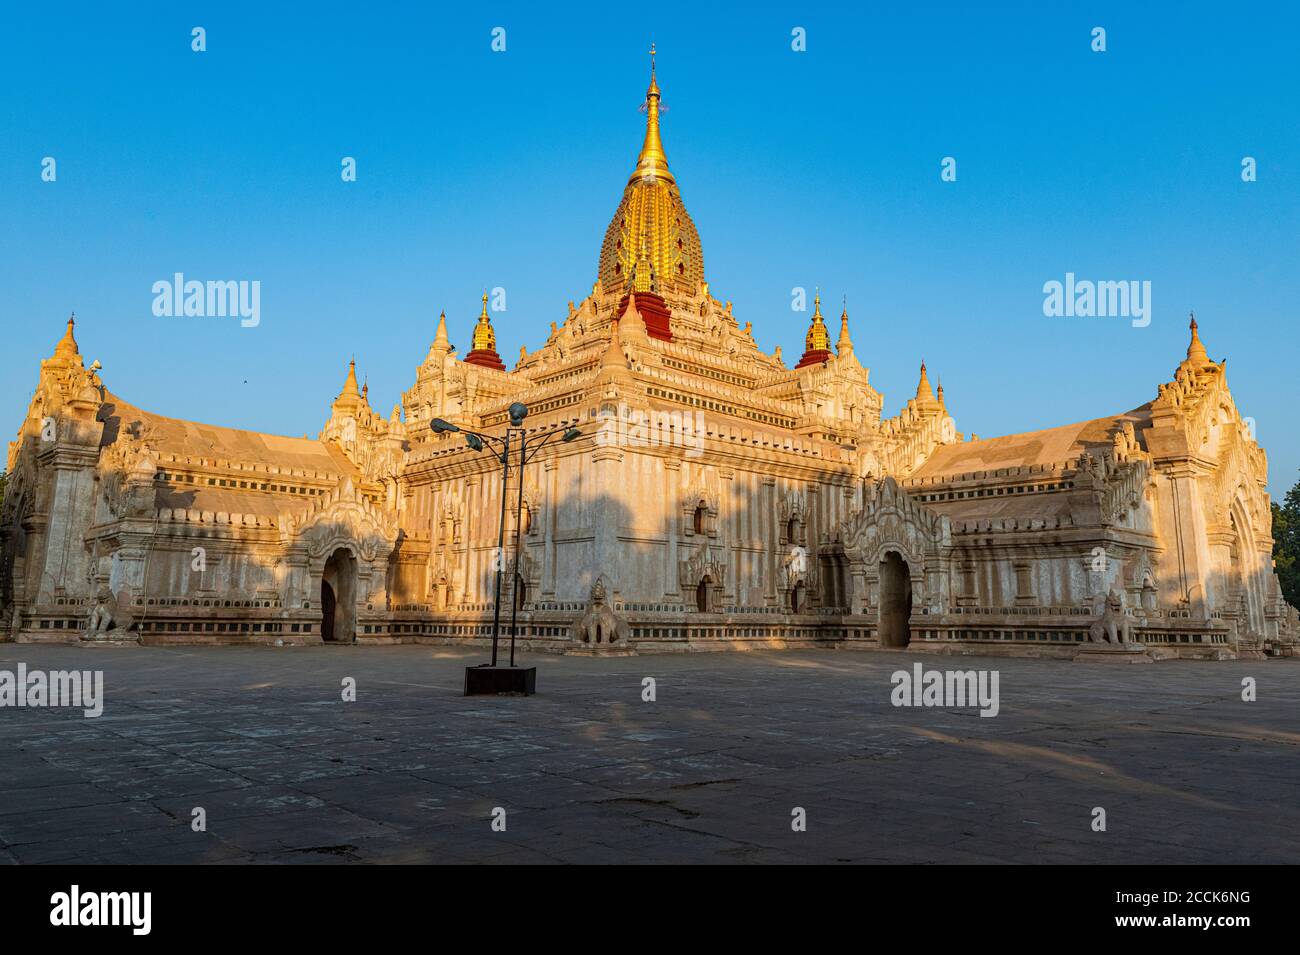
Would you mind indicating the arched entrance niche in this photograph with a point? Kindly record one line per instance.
(702, 594)
(1243, 557)
(338, 597)
(895, 600)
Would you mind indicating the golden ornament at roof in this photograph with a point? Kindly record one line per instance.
(818, 337)
(652, 213)
(485, 339)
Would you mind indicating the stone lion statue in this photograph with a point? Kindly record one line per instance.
(108, 613)
(1112, 624)
(599, 624)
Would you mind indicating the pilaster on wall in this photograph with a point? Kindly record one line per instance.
(60, 563)
(606, 516)
(1185, 561)
(550, 479)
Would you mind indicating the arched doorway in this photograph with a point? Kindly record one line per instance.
(697, 521)
(521, 592)
(702, 594)
(895, 601)
(338, 598)
(796, 598)
(327, 604)
(1241, 556)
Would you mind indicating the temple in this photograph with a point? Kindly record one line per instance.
(716, 498)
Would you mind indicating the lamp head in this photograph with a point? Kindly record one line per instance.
(571, 434)
(474, 441)
(518, 412)
(440, 426)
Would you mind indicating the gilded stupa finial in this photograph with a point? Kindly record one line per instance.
(652, 163)
(483, 346)
(485, 338)
(817, 343)
(818, 338)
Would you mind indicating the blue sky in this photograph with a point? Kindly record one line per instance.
(480, 169)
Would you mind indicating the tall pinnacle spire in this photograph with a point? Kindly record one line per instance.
(350, 382)
(1195, 349)
(924, 393)
(440, 339)
(350, 398)
(652, 163)
(652, 213)
(844, 346)
(67, 346)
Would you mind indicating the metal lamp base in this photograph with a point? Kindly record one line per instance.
(487, 680)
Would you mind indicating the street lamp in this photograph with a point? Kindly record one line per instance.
(489, 677)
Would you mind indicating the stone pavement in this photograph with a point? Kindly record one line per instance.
(588, 772)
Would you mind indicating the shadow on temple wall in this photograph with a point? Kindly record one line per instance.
(701, 558)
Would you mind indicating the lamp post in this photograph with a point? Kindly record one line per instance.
(489, 677)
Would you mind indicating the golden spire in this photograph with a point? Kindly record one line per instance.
(485, 339)
(652, 163)
(818, 338)
(67, 346)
